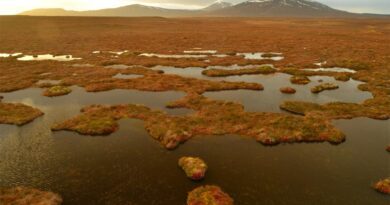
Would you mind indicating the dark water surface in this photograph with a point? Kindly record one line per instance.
(130, 168)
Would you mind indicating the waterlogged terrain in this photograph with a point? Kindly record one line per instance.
(110, 126)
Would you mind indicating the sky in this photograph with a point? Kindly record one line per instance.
(16, 6)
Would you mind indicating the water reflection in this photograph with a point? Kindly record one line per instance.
(270, 98)
(64, 107)
(47, 57)
(334, 69)
(7, 55)
(127, 76)
(173, 55)
(130, 167)
(262, 56)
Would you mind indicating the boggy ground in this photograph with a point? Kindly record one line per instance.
(309, 41)
(359, 44)
(211, 118)
(17, 113)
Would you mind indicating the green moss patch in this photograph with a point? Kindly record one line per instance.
(57, 91)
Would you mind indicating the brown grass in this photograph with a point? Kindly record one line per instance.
(211, 118)
(17, 113)
(244, 71)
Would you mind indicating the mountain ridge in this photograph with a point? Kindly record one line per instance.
(249, 8)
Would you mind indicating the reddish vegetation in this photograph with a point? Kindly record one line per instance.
(383, 186)
(28, 196)
(288, 90)
(244, 71)
(300, 80)
(194, 167)
(211, 118)
(208, 195)
(339, 110)
(17, 113)
(333, 43)
(57, 91)
(324, 86)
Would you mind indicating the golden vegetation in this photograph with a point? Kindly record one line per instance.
(194, 167)
(17, 113)
(57, 90)
(208, 195)
(324, 86)
(288, 90)
(244, 71)
(211, 118)
(383, 186)
(24, 196)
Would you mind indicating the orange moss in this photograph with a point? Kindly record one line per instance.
(17, 113)
(383, 186)
(208, 195)
(301, 80)
(324, 86)
(57, 91)
(194, 167)
(338, 110)
(211, 118)
(244, 71)
(288, 90)
(23, 196)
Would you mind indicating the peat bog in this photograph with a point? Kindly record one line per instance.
(115, 119)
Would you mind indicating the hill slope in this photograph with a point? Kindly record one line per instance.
(302, 8)
(250, 8)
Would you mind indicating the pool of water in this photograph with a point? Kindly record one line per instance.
(127, 76)
(334, 69)
(64, 107)
(129, 167)
(196, 72)
(47, 57)
(52, 82)
(270, 98)
(173, 55)
(260, 56)
(7, 55)
(197, 51)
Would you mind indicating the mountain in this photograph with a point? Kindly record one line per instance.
(125, 11)
(218, 5)
(250, 8)
(50, 12)
(273, 8)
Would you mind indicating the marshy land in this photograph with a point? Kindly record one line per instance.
(269, 111)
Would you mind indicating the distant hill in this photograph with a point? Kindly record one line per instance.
(125, 11)
(301, 8)
(218, 5)
(250, 8)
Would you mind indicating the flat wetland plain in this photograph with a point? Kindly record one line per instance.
(106, 116)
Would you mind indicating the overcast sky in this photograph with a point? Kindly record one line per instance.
(16, 6)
